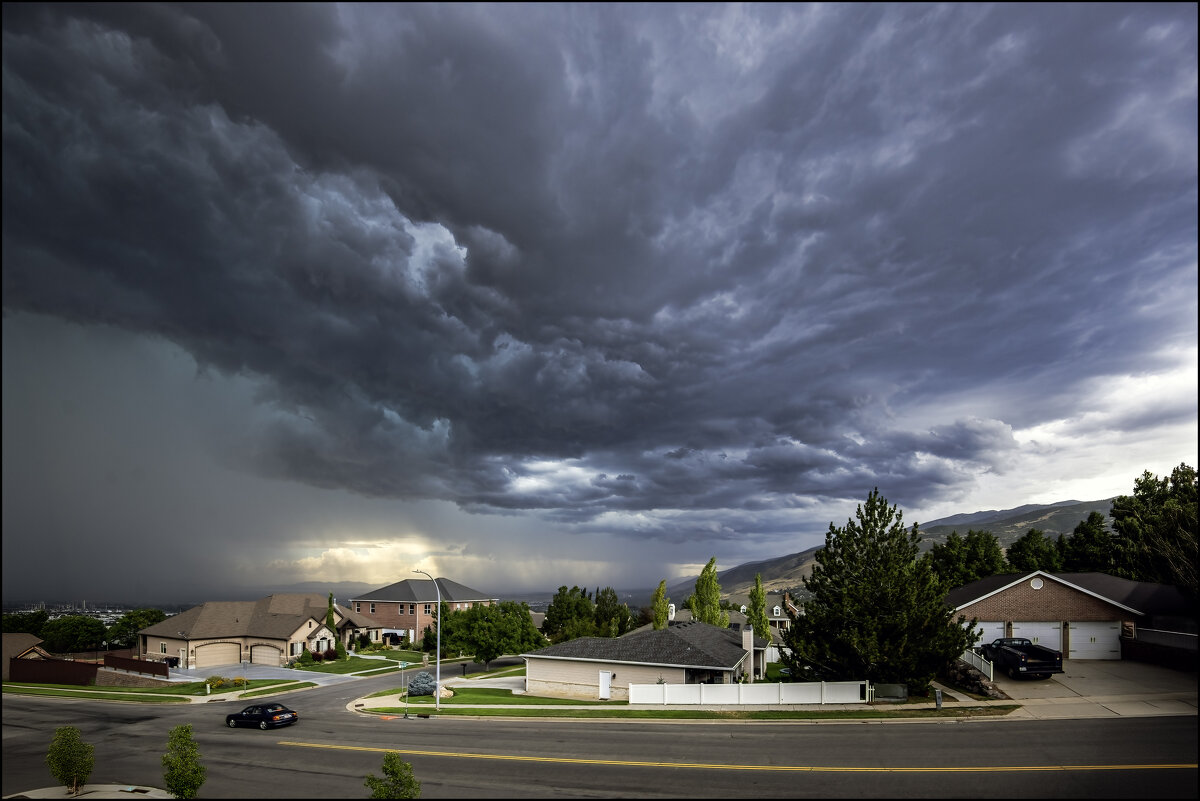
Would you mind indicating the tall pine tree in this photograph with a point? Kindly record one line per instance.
(876, 611)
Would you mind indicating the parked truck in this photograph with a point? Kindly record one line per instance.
(1018, 656)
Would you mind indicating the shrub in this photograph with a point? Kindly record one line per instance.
(422, 684)
(70, 759)
(331, 655)
(306, 657)
(216, 682)
(397, 782)
(182, 772)
(318, 656)
(364, 641)
(340, 650)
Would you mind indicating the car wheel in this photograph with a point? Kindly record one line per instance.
(232, 724)
(262, 724)
(1012, 674)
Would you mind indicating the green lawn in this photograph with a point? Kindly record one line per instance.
(176, 692)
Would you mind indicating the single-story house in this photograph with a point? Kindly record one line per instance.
(1081, 614)
(406, 608)
(270, 631)
(22, 646)
(604, 667)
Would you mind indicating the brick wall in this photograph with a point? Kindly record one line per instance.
(1053, 602)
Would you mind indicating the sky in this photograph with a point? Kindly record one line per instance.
(540, 295)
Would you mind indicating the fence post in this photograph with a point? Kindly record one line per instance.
(822, 692)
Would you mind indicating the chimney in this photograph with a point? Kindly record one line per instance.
(670, 612)
(748, 645)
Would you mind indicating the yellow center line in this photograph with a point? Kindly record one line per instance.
(712, 766)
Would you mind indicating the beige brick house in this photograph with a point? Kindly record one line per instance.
(270, 631)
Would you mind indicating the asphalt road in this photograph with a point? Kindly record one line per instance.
(332, 749)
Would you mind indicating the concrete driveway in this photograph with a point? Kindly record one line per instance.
(1100, 688)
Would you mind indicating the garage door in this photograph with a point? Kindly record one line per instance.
(266, 655)
(1040, 633)
(1095, 640)
(988, 631)
(222, 653)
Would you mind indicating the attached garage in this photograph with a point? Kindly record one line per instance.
(1095, 640)
(266, 655)
(217, 654)
(1045, 633)
(989, 630)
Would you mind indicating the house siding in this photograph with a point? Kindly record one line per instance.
(577, 679)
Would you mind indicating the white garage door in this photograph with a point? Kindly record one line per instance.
(265, 655)
(1095, 640)
(1040, 633)
(988, 631)
(222, 653)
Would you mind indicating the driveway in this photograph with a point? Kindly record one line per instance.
(1090, 688)
(258, 672)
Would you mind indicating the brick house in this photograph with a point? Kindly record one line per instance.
(406, 608)
(1081, 614)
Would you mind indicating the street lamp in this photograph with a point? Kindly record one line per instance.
(437, 687)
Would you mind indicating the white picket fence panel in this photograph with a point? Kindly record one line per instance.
(978, 662)
(816, 692)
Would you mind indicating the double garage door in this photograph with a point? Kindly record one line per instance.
(1086, 640)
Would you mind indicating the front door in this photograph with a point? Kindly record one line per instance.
(605, 685)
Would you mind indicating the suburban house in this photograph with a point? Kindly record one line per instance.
(270, 631)
(406, 608)
(681, 653)
(1084, 615)
(22, 646)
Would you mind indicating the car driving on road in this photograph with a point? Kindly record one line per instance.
(264, 716)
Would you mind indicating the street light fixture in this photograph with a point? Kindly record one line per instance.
(437, 686)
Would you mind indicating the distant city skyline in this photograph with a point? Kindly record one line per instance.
(576, 294)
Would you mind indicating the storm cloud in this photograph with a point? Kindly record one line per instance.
(685, 280)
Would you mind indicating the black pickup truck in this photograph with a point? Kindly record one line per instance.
(1017, 656)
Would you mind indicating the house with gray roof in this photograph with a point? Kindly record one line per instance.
(270, 631)
(604, 667)
(406, 608)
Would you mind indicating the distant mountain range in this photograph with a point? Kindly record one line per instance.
(1008, 525)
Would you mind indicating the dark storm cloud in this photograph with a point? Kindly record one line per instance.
(709, 259)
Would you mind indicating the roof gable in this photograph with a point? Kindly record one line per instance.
(699, 645)
(970, 594)
(423, 591)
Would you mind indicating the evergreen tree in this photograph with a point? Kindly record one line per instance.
(397, 782)
(756, 615)
(70, 759)
(1089, 548)
(1156, 529)
(876, 611)
(182, 772)
(705, 602)
(660, 605)
(961, 560)
(1034, 551)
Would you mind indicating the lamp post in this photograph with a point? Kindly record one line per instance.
(437, 687)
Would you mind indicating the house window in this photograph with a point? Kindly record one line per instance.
(297, 647)
(310, 624)
(162, 647)
(412, 609)
(776, 611)
(372, 609)
(357, 606)
(428, 608)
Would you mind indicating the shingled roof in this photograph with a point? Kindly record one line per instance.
(693, 645)
(423, 591)
(273, 617)
(1142, 597)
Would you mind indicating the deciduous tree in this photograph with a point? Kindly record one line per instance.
(70, 759)
(73, 633)
(1089, 548)
(876, 611)
(1156, 529)
(660, 604)
(961, 560)
(182, 772)
(571, 614)
(125, 630)
(612, 617)
(487, 632)
(756, 614)
(398, 780)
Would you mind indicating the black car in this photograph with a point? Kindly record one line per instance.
(264, 716)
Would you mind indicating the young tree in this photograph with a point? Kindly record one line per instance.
(1156, 529)
(1034, 551)
(125, 630)
(182, 772)
(660, 604)
(397, 782)
(876, 611)
(70, 759)
(1089, 547)
(705, 602)
(571, 614)
(756, 615)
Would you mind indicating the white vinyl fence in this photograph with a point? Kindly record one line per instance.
(817, 692)
(978, 662)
